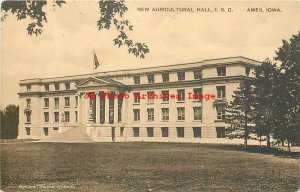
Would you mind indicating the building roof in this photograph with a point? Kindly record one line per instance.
(129, 72)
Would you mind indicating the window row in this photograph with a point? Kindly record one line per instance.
(164, 131)
(166, 77)
(180, 132)
(221, 71)
(56, 86)
(65, 117)
(56, 102)
(181, 95)
(165, 114)
(45, 130)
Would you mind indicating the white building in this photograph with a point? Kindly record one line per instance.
(51, 106)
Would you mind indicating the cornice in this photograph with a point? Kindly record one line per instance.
(42, 94)
(147, 70)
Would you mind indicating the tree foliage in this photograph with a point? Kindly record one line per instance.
(239, 113)
(275, 100)
(9, 122)
(287, 95)
(28, 9)
(111, 14)
(263, 103)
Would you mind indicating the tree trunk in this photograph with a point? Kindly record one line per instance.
(289, 145)
(245, 143)
(282, 143)
(246, 130)
(246, 135)
(260, 141)
(268, 141)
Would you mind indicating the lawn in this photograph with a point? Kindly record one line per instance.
(141, 166)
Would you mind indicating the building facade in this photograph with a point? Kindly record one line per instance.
(183, 102)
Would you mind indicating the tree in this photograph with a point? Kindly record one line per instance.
(263, 99)
(287, 92)
(9, 122)
(111, 14)
(239, 113)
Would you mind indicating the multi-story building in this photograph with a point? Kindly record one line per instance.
(149, 104)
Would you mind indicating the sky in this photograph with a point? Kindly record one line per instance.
(66, 45)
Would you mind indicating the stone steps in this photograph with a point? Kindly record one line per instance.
(73, 135)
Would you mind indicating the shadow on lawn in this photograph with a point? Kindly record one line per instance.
(263, 150)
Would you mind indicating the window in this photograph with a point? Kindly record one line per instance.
(181, 76)
(150, 78)
(56, 117)
(67, 101)
(151, 96)
(221, 92)
(136, 115)
(150, 114)
(165, 132)
(180, 112)
(27, 130)
(221, 71)
(76, 116)
(181, 94)
(137, 80)
(111, 111)
(165, 77)
(46, 132)
(150, 132)
(46, 117)
(137, 97)
(28, 117)
(67, 116)
(221, 113)
(165, 114)
(121, 131)
(220, 132)
(120, 103)
(198, 92)
(247, 71)
(180, 131)
(67, 85)
(46, 87)
(56, 102)
(28, 87)
(102, 109)
(55, 128)
(197, 113)
(56, 86)
(76, 101)
(136, 131)
(46, 102)
(197, 74)
(197, 132)
(165, 94)
(28, 103)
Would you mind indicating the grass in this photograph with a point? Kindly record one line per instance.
(140, 166)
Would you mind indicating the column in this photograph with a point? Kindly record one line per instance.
(125, 108)
(79, 108)
(116, 109)
(97, 107)
(106, 109)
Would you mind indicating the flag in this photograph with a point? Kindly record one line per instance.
(96, 62)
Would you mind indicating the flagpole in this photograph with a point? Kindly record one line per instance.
(93, 63)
